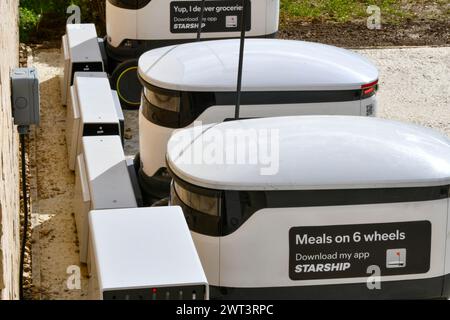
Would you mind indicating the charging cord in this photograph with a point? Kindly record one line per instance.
(23, 131)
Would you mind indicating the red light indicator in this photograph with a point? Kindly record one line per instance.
(368, 85)
(368, 91)
(154, 290)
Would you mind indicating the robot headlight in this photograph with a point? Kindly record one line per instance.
(207, 204)
(163, 100)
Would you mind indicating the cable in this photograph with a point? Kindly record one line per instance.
(200, 20)
(241, 60)
(25, 209)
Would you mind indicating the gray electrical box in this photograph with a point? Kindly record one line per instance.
(25, 96)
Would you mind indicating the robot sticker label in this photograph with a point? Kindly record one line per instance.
(218, 16)
(346, 251)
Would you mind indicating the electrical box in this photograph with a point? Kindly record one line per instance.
(25, 96)
(81, 53)
(102, 182)
(92, 111)
(144, 254)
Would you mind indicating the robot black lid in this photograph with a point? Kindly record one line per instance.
(270, 64)
(310, 153)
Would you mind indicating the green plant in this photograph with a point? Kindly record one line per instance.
(28, 22)
(50, 16)
(344, 10)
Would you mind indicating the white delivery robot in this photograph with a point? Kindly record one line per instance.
(197, 82)
(333, 207)
(136, 26)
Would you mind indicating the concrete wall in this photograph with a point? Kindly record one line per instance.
(9, 161)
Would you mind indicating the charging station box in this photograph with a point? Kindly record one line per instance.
(102, 182)
(144, 254)
(92, 111)
(81, 53)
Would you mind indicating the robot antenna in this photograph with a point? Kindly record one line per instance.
(241, 59)
(200, 20)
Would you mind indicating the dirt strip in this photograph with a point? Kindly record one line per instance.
(54, 222)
